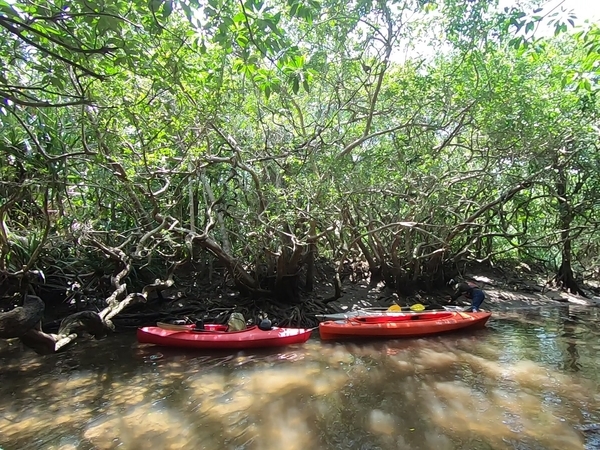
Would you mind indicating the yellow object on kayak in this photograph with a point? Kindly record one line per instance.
(397, 308)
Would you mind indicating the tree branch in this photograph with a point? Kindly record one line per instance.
(16, 32)
(41, 103)
(94, 51)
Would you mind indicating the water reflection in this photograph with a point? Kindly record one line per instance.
(528, 381)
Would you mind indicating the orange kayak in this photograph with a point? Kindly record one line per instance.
(215, 337)
(409, 325)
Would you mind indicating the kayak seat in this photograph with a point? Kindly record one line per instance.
(265, 325)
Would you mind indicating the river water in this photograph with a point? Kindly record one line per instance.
(530, 380)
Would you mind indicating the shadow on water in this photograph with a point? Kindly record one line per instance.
(528, 381)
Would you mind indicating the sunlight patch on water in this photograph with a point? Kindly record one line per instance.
(435, 359)
(220, 395)
(381, 422)
(461, 409)
(284, 426)
(164, 428)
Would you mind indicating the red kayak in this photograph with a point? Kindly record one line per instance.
(409, 325)
(215, 337)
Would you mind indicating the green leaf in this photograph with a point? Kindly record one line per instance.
(529, 27)
(585, 83)
(154, 5)
(517, 42)
(7, 9)
(187, 10)
(239, 18)
(242, 40)
(58, 83)
(107, 23)
(167, 9)
(294, 9)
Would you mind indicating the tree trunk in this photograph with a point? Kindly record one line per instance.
(355, 233)
(211, 200)
(564, 276)
(310, 267)
(310, 259)
(287, 290)
(243, 279)
(288, 273)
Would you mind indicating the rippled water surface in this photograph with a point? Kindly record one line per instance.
(528, 381)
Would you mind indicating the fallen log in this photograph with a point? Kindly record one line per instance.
(18, 321)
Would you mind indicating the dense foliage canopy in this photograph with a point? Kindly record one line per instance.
(416, 135)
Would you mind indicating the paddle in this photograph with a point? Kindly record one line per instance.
(396, 308)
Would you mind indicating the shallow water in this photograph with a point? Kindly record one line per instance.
(528, 381)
